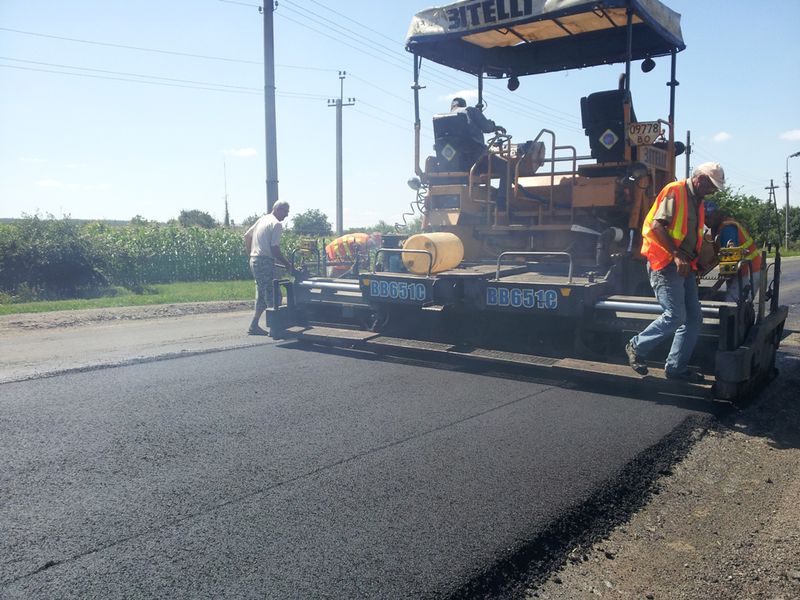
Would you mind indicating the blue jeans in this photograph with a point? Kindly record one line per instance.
(682, 318)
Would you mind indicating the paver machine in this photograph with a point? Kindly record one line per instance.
(530, 252)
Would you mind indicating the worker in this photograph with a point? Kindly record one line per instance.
(729, 233)
(478, 123)
(672, 234)
(347, 247)
(262, 242)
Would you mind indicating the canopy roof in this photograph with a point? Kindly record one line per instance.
(502, 38)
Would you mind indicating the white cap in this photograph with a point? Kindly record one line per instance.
(713, 171)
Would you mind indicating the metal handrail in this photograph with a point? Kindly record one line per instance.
(401, 251)
(567, 254)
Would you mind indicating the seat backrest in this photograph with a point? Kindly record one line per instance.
(456, 151)
(603, 119)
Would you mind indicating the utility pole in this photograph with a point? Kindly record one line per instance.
(225, 177)
(339, 103)
(772, 200)
(787, 195)
(269, 105)
(688, 153)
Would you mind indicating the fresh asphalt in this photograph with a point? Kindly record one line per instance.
(273, 472)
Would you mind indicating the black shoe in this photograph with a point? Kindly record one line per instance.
(256, 331)
(634, 360)
(688, 376)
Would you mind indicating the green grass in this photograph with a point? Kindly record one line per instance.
(171, 293)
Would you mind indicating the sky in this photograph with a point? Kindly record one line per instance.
(111, 109)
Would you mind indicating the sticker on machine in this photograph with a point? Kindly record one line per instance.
(522, 298)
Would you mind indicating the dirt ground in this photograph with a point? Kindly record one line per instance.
(723, 524)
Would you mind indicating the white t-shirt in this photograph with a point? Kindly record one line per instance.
(266, 234)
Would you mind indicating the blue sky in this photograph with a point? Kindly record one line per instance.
(111, 109)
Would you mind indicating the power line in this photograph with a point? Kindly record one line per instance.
(194, 87)
(127, 47)
(177, 83)
(170, 79)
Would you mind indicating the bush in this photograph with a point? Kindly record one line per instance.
(48, 258)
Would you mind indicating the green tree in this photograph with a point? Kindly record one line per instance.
(312, 222)
(196, 218)
(248, 221)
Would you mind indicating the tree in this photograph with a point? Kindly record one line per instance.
(196, 218)
(248, 221)
(313, 222)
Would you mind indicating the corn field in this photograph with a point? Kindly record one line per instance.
(50, 258)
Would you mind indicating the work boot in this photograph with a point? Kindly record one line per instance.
(634, 360)
(256, 330)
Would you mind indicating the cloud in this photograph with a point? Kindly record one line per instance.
(722, 136)
(471, 96)
(242, 152)
(793, 135)
(50, 183)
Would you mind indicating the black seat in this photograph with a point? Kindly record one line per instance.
(603, 120)
(456, 150)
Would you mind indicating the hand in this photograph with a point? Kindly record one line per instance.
(683, 265)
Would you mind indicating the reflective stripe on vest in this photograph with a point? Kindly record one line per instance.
(658, 256)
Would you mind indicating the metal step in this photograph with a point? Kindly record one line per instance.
(328, 334)
(574, 367)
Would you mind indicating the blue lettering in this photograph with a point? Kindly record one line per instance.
(502, 296)
(374, 289)
(491, 296)
(516, 297)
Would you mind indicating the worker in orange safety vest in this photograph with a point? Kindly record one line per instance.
(672, 235)
(346, 247)
(729, 233)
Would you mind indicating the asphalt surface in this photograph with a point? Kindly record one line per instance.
(271, 472)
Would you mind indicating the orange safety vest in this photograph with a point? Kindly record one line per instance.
(345, 246)
(751, 252)
(658, 256)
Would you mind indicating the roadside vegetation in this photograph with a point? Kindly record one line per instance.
(62, 264)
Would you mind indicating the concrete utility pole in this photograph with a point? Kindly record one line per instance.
(688, 153)
(225, 177)
(269, 105)
(339, 103)
(772, 200)
(787, 195)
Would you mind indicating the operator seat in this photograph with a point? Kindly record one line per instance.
(456, 150)
(603, 120)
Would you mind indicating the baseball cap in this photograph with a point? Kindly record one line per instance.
(713, 171)
(458, 102)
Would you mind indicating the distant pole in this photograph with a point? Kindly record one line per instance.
(225, 178)
(339, 103)
(772, 200)
(269, 106)
(688, 153)
(787, 195)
